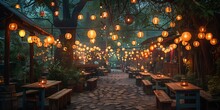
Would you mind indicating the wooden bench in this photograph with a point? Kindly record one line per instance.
(208, 102)
(60, 99)
(138, 80)
(147, 87)
(92, 83)
(19, 94)
(163, 101)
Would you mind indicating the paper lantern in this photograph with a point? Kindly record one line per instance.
(134, 42)
(80, 17)
(29, 39)
(52, 4)
(155, 20)
(56, 13)
(22, 33)
(50, 39)
(17, 6)
(59, 45)
(65, 49)
(176, 40)
(68, 36)
(92, 41)
(13, 26)
(213, 41)
(133, 1)
(168, 9)
(184, 43)
(202, 29)
(140, 34)
(172, 24)
(77, 42)
(179, 17)
(159, 39)
(117, 27)
(188, 47)
(151, 47)
(115, 37)
(186, 36)
(129, 19)
(196, 43)
(46, 44)
(93, 17)
(201, 35)
(165, 33)
(39, 44)
(104, 14)
(91, 34)
(208, 36)
(119, 44)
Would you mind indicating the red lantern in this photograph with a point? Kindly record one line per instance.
(129, 19)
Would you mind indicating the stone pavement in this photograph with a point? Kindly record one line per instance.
(114, 92)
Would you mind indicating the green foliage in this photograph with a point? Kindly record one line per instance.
(214, 85)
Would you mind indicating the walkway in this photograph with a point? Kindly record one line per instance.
(114, 92)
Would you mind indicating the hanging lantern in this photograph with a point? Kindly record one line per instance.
(176, 40)
(104, 14)
(119, 44)
(114, 37)
(80, 17)
(59, 45)
(29, 39)
(156, 20)
(13, 26)
(172, 24)
(77, 42)
(133, 1)
(52, 4)
(159, 39)
(134, 42)
(151, 47)
(186, 36)
(188, 47)
(213, 41)
(140, 34)
(65, 49)
(46, 44)
(39, 44)
(179, 17)
(165, 33)
(196, 43)
(74, 46)
(92, 41)
(129, 19)
(168, 9)
(42, 13)
(117, 27)
(201, 35)
(91, 34)
(22, 33)
(208, 36)
(50, 39)
(68, 36)
(93, 17)
(56, 13)
(17, 6)
(184, 43)
(202, 29)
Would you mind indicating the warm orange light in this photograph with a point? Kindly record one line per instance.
(92, 41)
(52, 4)
(118, 43)
(117, 27)
(80, 17)
(115, 37)
(213, 41)
(56, 13)
(201, 35)
(133, 1)
(155, 20)
(17, 6)
(186, 36)
(159, 39)
(93, 17)
(208, 36)
(13, 26)
(172, 24)
(29, 39)
(59, 45)
(140, 34)
(165, 33)
(188, 47)
(68, 36)
(129, 19)
(179, 17)
(184, 43)
(50, 39)
(91, 34)
(39, 44)
(134, 42)
(176, 40)
(77, 42)
(196, 43)
(22, 33)
(168, 9)
(104, 14)
(202, 29)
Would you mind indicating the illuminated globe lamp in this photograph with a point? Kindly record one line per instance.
(52, 4)
(56, 13)
(140, 34)
(104, 14)
(159, 39)
(59, 45)
(65, 49)
(114, 37)
(176, 40)
(77, 42)
(134, 42)
(172, 24)
(133, 1)
(213, 41)
(29, 39)
(50, 39)
(129, 19)
(186, 36)
(46, 44)
(117, 27)
(155, 20)
(92, 41)
(168, 9)
(119, 44)
(91, 34)
(22, 33)
(80, 17)
(68, 36)
(151, 48)
(196, 43)
(93, 17)
(208, 36)
(179, 17)
(39, 44)
(184, 43)
(201, 35)
(188, 47)
(13, 26)
(17, 6)
(165, 33)
(202, 29)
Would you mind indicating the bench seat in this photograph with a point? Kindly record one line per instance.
(92, 83)
(163, 101)
(138, 80)
(147, 87)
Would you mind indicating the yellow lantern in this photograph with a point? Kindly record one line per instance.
(52, 4)
(29, 39)
(13, 26)
(68, 36)
(115, 37)
(196, 43)
(201, 35)
(133, 1)
(156, 20)
(159, 39)
(168, 9)
(134, 42)
(117, 27)
(186, 36)
(202, 29)
(59, 45)
(104, 14)
(165, 33)
(140, 34)
(184, 43)
(188, 47)
(93, 17)
(208, 36)
(151, 47)
(176, 40)
(39, 44)
(91, 34)
(80, 17)
(56, 13)
(50, 39)
(92, 41)
(213, 41)
(17, 6)
(179, 17)
(172, 24)
(22, 33)
(118, 43)
(77, 42)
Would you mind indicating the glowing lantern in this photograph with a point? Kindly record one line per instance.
(13, 26)
(176, 40)
(156, 20)
(165, 33)
(201, 35)
(129, 19)
(17, 6)
(202, 29)
(118, 43)
(92, 41)
(134, 42)
(50, 39)
(133, 1)
(208, 36)
(29, 39)
(74, 46)
(56, 13)
(179, 17)
(93, 17)
(213, 41)
(188, 47)
(186, 36)
(151, 47)
(68, 36)
(168, 9)
(46, 44)
(196, 43)
(77, 42)
(52, 4)
(65, 49)
(104, 14)
(22, 33)
(184, 43)
(39, 44)
(172, 24)
(42, 13)
(117, 27)
(159, 39)
(59, 45)
(91, 34)
(80, 17)
(140, 34)
(115, 37)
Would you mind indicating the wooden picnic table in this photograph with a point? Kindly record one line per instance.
(190, 92)
(41, 88)
(160, 78)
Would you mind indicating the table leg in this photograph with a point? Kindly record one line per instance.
(198, 101)
(24, 99)
(42, 96)
(177, 101)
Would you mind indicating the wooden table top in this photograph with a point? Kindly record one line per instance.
(36, 85)
(161, 77)
(145, 73)
(175, 86)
